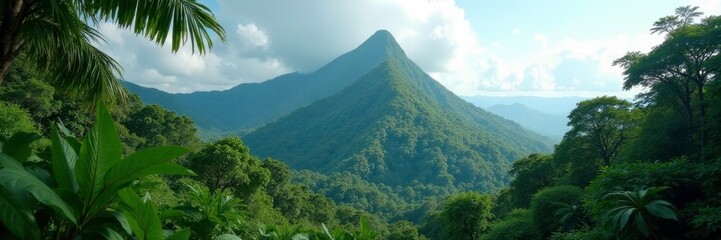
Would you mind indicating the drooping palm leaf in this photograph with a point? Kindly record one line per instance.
(182, 20)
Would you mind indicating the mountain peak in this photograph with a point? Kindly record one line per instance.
(382, 40)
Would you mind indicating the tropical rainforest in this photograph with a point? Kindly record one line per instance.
(82, 157)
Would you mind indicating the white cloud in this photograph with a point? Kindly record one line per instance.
(250, 34)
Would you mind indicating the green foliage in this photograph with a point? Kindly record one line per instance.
(518, 225)
(549, 201)
(82, 184)
(160, 127)
(210, 214)
(706, 223)
(364, 231)
(467, 215)
(32, 94)
(403, 230)
(679, 70)
(227, 164)
(14, 119)
(640, 208)
(582, 234)
(600, 128)
(676, 174)
(283, 233)
(531, 174)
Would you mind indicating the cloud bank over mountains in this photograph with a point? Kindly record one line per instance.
(269, 38)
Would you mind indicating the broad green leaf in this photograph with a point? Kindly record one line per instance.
(661, 210)
(641, 224)
(227, 237)
(625, 215)
(18, 146)
(183, 234)
(18, 180)
(104, 232)
(142, 216)
(120, 217)
(146, 162)
(8, 162)
(100, 150)
(18, 219)
(63, 161)
(172, 213)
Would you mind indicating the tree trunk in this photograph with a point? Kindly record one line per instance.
(701, 120)
(12, 17)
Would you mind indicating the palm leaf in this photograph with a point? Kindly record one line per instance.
(63, 48)
(182, 20)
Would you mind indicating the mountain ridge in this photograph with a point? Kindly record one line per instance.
(397, 111)
(250, 105)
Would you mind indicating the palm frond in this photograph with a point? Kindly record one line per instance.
(71, 62)
(182, 20)
(60, 44)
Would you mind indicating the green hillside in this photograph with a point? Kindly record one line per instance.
(252, 104)
(399, 127)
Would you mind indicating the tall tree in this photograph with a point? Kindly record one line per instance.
(531, 174)
(227, 165)
(467, 215)
(600, 128)
(161, 127)
(604, 124)
(683, 64)
(58, 36)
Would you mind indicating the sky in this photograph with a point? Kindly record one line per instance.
(472, 47)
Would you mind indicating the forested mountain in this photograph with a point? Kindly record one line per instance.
(397, 126)
(551, 125)
(252, 104)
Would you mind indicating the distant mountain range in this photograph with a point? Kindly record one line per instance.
(372, 113)
(550, 105)
(551, 125)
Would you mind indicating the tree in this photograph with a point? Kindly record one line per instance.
(518, 225)
(640, 208)
(57, 36)
(531, 173)
(403, 230)
(606, 123)
(467, 215)
(600, 127)
(550, 200)
(161, 127)
(683, 64)
(14, 119)
(227, 164)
